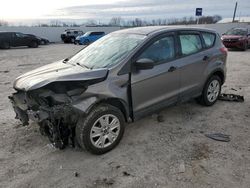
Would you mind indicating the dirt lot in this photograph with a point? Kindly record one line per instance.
(173, 153)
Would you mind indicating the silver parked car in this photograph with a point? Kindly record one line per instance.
(120, 78)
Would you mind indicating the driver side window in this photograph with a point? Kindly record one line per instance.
(19, 35)
(160, 51)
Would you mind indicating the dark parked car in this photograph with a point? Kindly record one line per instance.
(237, 38)
(70, 35)
(43, 41)
(120, 78)
(14, 39)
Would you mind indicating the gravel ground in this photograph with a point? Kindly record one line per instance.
(172, 153)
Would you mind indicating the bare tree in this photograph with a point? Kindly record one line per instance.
(91, 22)
(3, 23)
(115, 21)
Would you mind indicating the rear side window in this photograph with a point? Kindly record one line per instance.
(160, 51)
(209, 39)
(190, 43)
(20, 35)
(97, 33)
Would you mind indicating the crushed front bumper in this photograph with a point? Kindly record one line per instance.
(27, 109)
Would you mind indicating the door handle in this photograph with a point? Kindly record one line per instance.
(172, 69)
(205, 58)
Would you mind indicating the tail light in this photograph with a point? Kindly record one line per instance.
(224, 50)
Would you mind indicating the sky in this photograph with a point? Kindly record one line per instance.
(17, 10)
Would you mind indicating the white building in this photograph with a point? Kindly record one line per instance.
(237, 19)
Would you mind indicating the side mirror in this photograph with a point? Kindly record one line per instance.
(144, 63)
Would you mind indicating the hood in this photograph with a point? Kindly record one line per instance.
(232, 36)
(56, 72)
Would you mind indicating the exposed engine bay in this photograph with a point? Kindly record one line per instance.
(52, 107)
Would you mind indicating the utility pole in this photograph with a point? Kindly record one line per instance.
(235, 8)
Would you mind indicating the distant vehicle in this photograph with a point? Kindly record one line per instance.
(89, 37)
(43, 41)
(70, 35)
(14, 39)
(125, 75)
(237, 38)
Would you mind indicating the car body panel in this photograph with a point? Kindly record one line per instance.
(56, 72)
(236, 41)
(135, 92)
(92, 37)
(16, 39)
(70, 34)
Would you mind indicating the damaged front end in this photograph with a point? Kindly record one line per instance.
(52, 107)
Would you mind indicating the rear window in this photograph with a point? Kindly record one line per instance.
(97, 33)
(190, 43)
(209, 39)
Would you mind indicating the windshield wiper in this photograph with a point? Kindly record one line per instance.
(84, 66)
(66, 60)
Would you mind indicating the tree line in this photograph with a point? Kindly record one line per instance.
(136, 22)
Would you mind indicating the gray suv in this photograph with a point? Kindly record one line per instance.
(87, 99)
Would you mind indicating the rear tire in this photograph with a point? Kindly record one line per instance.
(211, 91)
(6, 45)
(33, 44)
(101, 130)
(245, 46)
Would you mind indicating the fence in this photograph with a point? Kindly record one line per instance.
(53, 33)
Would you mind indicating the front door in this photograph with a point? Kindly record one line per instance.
(157, 87)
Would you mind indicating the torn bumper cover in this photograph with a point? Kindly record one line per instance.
(25, 110)
(57, 121)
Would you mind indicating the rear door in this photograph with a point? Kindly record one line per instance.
(193, 61)
(157, 87)
(99, 35)
(92, 37)
(19, 39)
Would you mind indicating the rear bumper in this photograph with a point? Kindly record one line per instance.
(234, 44)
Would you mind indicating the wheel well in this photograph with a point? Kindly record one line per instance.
(118, 104)
(221, 75)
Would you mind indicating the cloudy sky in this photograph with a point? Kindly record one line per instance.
(127, 9)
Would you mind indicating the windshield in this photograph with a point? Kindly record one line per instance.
(237, 32)
(107, 51)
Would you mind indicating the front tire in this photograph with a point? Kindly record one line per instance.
(101, 130)
(211, 91)
(72, 40)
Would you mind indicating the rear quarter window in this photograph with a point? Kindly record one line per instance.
(190, 43)
(209, 39)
